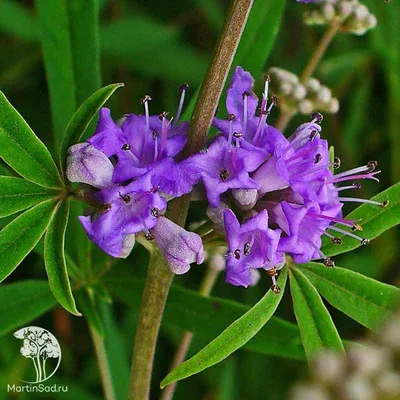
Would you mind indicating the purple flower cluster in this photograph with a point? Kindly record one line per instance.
(283, 191)
(131, 172)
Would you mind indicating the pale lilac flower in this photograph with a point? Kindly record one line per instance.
(180, 247)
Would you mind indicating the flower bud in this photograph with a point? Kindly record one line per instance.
(245, 198)
(86, 164)
(180, 247)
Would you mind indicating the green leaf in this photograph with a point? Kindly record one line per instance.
(208, 317)
(259, 35)
(17, 194)
(22, 302)
(54, 258)
(58, 60)
(15, 19)
(83, 18)
(374, 220)
(87, 303)
(83, 116)
(22, 150)
(21, 235)
(366, 300)
(153, 49)
(316, 326)
(233, 337)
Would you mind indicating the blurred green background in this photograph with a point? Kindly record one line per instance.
(153, 46)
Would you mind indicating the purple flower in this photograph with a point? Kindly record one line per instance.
(86, 164)
(180, 247)
(242, 124)
(250, 245)
(223, 167)
(125, 210)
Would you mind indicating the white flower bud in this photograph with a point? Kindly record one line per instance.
(329, 368)
(306, 107)
(299, 92)
(324, 94)
(357, 387)
(361, 12)
(368, 360)
(388, 385)
(308, 392)
(313, 84)
(328, 11)
(333, 106)
(345, 9)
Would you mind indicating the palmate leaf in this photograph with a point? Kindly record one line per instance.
(18, 194)
(22, 302)
(22, 150)
(374, 220)
(366, 300)
(315, 323)
(232, 338)
(83, 116)
(208, 317)
(21, 235)
(54, 258)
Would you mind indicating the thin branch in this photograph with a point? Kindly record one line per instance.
(159, 277)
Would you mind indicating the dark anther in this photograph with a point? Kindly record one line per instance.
(154, 135)
(356, 227)
(328, 262)
(247, 249)
(385, 203)
(357, 185)
(246, 93)
(336, 162)
(126, 198)
(313, 135)
(267, 78)
(317, 116)
(224, 174)
(145, 99)
(372, 165)
(183, 87)
(106, 206)
(163, 115)
(276, 289)
(126, 146)
(237, 135)
(274, 99)
(337, 240)
(148, 236)
(318, 158)
(364, 241)
(236, 253)
(230, 117)
(272, 272)
(155, 212)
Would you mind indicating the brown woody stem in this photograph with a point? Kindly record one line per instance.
(159, 277)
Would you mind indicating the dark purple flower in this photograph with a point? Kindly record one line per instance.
(180, 247)
(251, 245)
(223, 167)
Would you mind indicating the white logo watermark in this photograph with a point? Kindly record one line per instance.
(42, 347)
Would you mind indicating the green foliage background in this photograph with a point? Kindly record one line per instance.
(153, 46)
